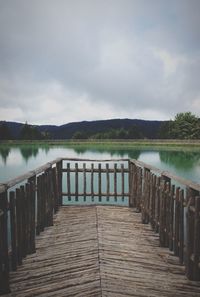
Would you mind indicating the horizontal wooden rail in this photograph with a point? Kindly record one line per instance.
(26, 176)
(89, 194)
(184, 182)
(95, 170)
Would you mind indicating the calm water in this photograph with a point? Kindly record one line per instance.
(16, 160)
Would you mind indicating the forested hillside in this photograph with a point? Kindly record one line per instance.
(184, 126)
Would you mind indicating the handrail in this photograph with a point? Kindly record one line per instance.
(11, 183)
(183, 181)
(96, 160)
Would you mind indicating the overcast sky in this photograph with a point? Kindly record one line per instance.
(72, 60)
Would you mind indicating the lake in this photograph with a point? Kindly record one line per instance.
(182, 161)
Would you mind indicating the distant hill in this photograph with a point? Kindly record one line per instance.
(148, 129)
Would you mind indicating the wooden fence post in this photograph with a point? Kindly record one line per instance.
(196, 250)
(59, 175)
(4, 261)
(190, 200)
(131, 184)
(145, 196)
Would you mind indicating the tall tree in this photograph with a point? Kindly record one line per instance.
(4, 131)
(29, 132)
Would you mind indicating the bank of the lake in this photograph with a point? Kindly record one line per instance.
(112, 142)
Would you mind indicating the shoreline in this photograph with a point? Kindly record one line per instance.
(107, 142)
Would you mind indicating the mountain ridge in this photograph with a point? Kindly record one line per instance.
(149, 128)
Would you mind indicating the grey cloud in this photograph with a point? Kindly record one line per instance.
(111, 52)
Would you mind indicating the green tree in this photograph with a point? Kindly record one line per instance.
(29, 132)
(186, 126)
(166, 130)
(4, 131)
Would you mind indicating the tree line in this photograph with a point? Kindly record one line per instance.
(27, 132)
(184, 126)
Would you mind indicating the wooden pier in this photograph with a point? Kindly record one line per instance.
(151, 247)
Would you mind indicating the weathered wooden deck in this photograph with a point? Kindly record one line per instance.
(100, 251)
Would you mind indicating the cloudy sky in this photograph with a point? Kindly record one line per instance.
(72, 60)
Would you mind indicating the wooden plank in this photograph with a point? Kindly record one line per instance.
(100, 251)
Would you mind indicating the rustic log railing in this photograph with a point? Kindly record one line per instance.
(108, 173)
(28, 203)
(172, 210)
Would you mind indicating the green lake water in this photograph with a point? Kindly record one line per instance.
(16, 160)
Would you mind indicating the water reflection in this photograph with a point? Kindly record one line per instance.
(4, 152)
(29, 151)
(121, 152)
(180, 159)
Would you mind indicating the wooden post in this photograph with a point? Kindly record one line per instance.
(55, 190)
(84, 181)
(171, 218)
(76, 181)
(4, 261)
(122, 174)
(181, 228)
(131, 184)
(39, 206)
(164, 223)
(139, 188)
(99, 171)
(32, 182)
(23, 218)
(177, 222)
(145, 196)
(115, 181)
(50, 195)
(153, 201)
(190, 199)
(19, 227)
(13, 230)
(28, 216)
(41, 186)
(59, 175)
(196, 251)
(157, 205)
(68, 182)
(92, 181)
(107, 181)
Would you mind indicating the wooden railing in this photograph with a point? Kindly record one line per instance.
(172, 210)
(108, 173)
(28, 203)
